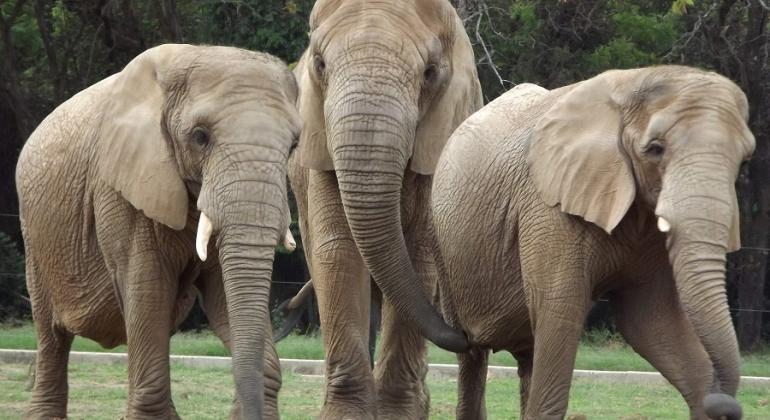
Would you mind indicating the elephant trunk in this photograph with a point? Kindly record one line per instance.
(370, 150)
(246, 207)
(699, 214)
(246, 254)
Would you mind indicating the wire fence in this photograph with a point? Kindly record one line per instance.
(300, 284)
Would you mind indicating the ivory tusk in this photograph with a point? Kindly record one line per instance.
(202, 238)
(663, 225)
(288, 241)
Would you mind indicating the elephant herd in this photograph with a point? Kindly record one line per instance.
(491, 228)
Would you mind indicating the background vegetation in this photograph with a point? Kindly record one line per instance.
(52, 49)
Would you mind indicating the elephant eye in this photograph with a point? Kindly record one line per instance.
(655, 149)
(430, 74)
(201, 136)
(319, 66)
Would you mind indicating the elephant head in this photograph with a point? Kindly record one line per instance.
(671, 140)
(382, 86)
(212, 127)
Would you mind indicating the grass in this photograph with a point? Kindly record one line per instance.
(99, 391)
(598, 350)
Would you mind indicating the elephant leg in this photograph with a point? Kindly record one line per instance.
(49, 395)
(342, 285)
(524, 370)
(557, 334)
(471, 384)
(149, 296)
(652, 321)
(401, 365)
(214, 305)
(174, 415)
(400, 369)
(558, 303)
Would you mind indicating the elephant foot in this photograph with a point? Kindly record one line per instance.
(174, 415)
(403, 404)
(45, 413)
(235, 411)
(269, 410)
(418, 410)
(333, 411)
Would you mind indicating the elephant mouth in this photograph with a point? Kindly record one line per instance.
(206, 228)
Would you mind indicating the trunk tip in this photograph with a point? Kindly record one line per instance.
(450, 339)
(722, 406)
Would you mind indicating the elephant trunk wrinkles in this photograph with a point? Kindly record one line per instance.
(701, 214)
(246, 270)
(370, 153)
(247, 207)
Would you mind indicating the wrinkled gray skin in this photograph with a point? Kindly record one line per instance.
(520, 266)
(382, 86)
(112, 185)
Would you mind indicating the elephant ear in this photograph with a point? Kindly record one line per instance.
(313, 150)
(133, 155)
(460, 98)
(575, 156)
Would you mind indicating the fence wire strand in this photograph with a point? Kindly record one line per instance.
(299, 285)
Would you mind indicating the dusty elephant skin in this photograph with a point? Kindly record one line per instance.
(382, 86)
(622, 184)
(113, 186)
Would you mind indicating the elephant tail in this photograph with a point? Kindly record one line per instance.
(291, 310)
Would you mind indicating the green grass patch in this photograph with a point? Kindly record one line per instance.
(597, 351)
(99, 391)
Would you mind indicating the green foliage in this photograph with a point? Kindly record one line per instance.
(279, 27)
(679, 7)
(638, 40)
(554, 43)
(13, 288)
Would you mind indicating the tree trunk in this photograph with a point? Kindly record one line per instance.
(43, 17)
(755, 192)
(169, 20)
(10, 92)
(16, 122)
(737, 36)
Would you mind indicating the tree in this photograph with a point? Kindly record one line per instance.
(732, 38)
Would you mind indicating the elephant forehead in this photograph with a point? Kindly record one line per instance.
(361, 31)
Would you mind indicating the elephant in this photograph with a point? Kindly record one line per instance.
(382, 86)
(620, 186)
(111, 186)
